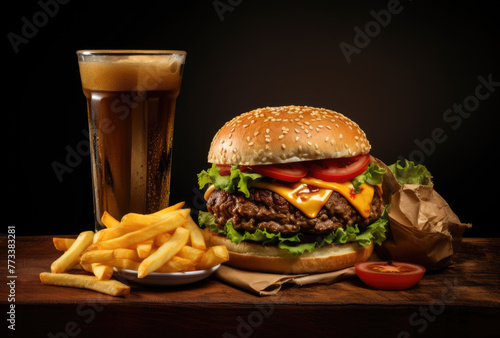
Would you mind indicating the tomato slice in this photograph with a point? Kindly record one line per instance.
(389, 275)
(340, 169)
(224, 169)
(288, 172)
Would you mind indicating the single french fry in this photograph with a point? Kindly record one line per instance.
(131, 239)
(124, 263)
(177, 264)
(62, 244)
(135, 219)
(196, 235)
(71, 256)
(110, 287)
(97, 256)
(164, 253)
(161, 238)
(107, 234)
(102, 271)
(171, 208)
(191, 253)
(124, 253)
(144, 249)
(214, 255)
(109, 221)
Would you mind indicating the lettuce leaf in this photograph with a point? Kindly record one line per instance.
(374, 232)
(411, 173)
(236, 181)
(373, 175)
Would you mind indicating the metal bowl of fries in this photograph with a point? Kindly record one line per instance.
(167, 278)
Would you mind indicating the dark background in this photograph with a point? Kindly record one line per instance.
(250, 54)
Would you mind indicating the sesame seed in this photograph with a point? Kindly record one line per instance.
(297, 131)
(340, 136)
(281, 136)
(248, 138)
(283, 146)
(267, 131)
(250, 144)
(296, 139)
(309, 143)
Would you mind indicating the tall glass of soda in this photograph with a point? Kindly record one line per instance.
(131, 97)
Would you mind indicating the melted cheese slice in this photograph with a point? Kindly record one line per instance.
(310, 202)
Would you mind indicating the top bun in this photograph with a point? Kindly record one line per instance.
(287, 134)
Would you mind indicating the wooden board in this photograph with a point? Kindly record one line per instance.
(463, 299)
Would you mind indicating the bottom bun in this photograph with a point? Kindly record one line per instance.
(256, 257)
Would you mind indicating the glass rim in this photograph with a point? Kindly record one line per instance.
(130, 52)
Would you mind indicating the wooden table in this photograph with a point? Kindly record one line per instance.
(461, 300)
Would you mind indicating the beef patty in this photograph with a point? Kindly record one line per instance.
(265, 209)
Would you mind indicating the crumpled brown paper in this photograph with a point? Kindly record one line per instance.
(423, 228)
(268, 284)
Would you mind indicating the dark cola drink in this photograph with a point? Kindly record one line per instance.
(131, 98)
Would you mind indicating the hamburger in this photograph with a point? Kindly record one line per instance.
(293, 189)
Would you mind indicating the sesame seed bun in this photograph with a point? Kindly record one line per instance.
(287, 134)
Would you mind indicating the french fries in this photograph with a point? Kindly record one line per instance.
(71, 256)
(164, 253)
(110, 287)
(165, 241)
(62, 244)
